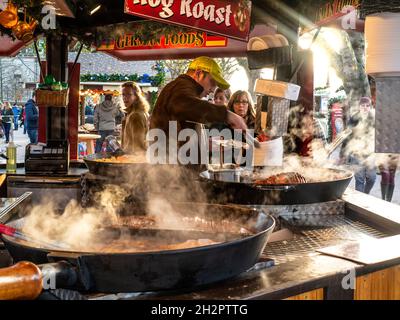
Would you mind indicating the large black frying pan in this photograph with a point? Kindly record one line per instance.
(246, 192)
(148, 271)
(111, 169)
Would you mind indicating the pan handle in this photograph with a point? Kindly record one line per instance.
(22, 281)
(275, 188)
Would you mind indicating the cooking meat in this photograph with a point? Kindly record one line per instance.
(132, 246)
(283, 178)
(128, 158)
(136, 222)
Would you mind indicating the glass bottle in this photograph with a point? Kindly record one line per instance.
(11, 166)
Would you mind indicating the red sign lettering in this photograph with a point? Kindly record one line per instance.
(224, 17)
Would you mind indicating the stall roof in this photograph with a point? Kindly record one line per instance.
(9, 47)
(112, 13)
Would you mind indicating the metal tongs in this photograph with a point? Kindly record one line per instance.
(253, 141)
(12, 232)
(338, 141)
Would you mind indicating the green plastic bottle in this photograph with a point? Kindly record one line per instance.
(11, 166)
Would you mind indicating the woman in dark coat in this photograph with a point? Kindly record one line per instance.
(7, 119)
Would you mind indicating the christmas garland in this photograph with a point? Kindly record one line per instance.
(101, 77)
(156, 80)
(145, 30)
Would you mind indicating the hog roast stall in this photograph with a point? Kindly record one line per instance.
(290, 264)
(293, 263)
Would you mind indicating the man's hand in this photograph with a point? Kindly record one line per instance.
(235, 121)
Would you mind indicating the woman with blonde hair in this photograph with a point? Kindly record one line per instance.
(136, 122)
(242, 104)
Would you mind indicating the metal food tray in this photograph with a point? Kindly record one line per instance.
(314, 232)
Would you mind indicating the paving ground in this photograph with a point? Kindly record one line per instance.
(21, 140)
(376, 190)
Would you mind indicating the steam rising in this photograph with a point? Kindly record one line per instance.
(78, 228)
(160, 186)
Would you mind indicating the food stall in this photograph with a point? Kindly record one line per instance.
(295, 235)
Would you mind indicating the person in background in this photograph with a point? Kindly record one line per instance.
(221, 97)
(135, 124)
(120, 116)
(242, 104)
(32, 120)
(22, 118)
(359, 146)
(1, 122)
(104, 120)
(337, 119)
(8, 120)
(89, 110)
(16, 111)
(387, 170)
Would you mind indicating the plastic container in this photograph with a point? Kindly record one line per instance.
(227, 173)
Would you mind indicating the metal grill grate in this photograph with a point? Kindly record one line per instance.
(327, 232)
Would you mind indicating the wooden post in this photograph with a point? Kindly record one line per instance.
(57, 59)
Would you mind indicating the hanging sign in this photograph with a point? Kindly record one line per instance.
(224, 17)
(170, 41)
(335, 9)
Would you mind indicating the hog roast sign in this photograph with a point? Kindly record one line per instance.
(223, 17)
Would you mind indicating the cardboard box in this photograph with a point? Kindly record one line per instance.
(277, 89)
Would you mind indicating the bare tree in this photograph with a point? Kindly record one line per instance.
(229, 66)
(252, 75)
(14, 72)
(177, 67)
(349, 65)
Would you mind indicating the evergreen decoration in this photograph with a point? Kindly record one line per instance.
(145, 30)
(331, 101)
(156, 80)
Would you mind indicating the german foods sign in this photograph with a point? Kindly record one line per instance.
(170, 41)
(224, 17)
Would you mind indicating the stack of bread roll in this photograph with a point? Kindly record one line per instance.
(266, 42)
